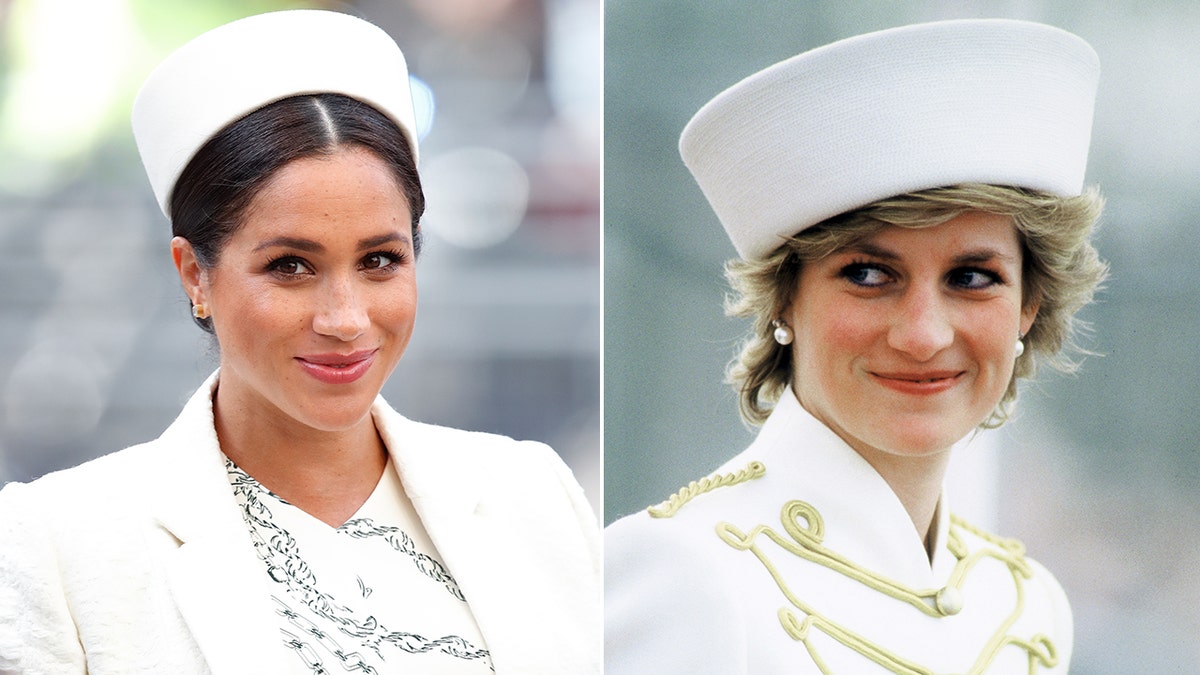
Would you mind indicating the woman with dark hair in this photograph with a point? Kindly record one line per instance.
(914, 237)
(289, 521)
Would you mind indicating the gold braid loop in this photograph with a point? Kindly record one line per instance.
(695, 488)
(805, 530)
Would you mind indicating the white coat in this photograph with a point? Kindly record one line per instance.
(806, 562)
(139, 561)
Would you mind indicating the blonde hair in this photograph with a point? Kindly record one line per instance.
(1060, 271)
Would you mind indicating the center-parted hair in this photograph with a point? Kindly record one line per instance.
(212, 194)
(1060, 271)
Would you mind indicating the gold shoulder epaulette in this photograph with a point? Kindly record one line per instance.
(676, 501)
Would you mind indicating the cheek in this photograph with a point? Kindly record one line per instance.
(834, 330)
(395, 303)
(831, 337)
(253, 312)
(992, 332)
(392, 308)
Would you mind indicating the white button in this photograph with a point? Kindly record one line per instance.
(949, 601)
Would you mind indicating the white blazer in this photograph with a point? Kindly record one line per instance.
(803, 560)
(139, 561)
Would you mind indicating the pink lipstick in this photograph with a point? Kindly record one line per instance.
(922, 384)
(338, 368)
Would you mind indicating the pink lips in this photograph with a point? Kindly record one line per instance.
(338, 368)
(923, 384)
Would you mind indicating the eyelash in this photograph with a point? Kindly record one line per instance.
(850, 271)
(396, 257)
(992, 277)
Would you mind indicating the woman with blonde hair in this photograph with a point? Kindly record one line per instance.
(913, 237)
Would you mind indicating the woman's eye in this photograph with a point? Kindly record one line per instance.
(290, 266)
(973, 278)
(377, 261)
(865, 275)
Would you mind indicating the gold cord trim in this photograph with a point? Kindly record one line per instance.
(806, 542)
(695, 488)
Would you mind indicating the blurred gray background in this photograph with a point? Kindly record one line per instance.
(97, 349)
(1100, 474)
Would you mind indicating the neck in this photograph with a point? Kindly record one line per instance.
(328, 474)
(917, 483)
(916, 480)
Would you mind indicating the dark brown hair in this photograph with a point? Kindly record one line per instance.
(212, 194)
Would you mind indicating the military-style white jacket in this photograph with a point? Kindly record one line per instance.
(139, 562)
(797, 557)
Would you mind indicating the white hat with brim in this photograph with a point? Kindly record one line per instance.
(901, 110)
(235, 69)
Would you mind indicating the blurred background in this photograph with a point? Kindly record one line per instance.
(97, 348)
(1100, 473)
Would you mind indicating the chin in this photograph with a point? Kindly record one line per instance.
(334, 415)
(917, 440)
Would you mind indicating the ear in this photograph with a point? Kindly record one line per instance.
(1029, 313)
(192, 276)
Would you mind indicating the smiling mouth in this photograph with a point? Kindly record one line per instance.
(338, 368)
(919, 383)
(338, 360)
(919, 377)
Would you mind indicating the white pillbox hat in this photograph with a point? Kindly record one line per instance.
(906, 109)
(235, 69)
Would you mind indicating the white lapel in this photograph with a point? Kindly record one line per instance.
(864, 519)
(492, 524)
(214, 575)
(464, 487)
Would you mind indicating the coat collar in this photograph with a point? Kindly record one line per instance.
(424, 456)
(214, 574)
(459, 484)
(197, 465)
(864, 519)
(216, 578)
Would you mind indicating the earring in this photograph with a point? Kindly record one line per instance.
(783, 334)
(1020, 347)
(199, 312)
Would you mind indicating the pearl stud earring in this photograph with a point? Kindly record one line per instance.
(783, 334)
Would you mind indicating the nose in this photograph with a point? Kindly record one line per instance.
(921, 326)
(340, 311)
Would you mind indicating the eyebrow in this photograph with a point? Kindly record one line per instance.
(310, 246)
(984, 255)
(872, 250)
(971, 257)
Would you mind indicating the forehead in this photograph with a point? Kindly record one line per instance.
(343, 168)
(349, 186)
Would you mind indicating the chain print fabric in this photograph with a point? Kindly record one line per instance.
(352, 639)
(363, 528)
